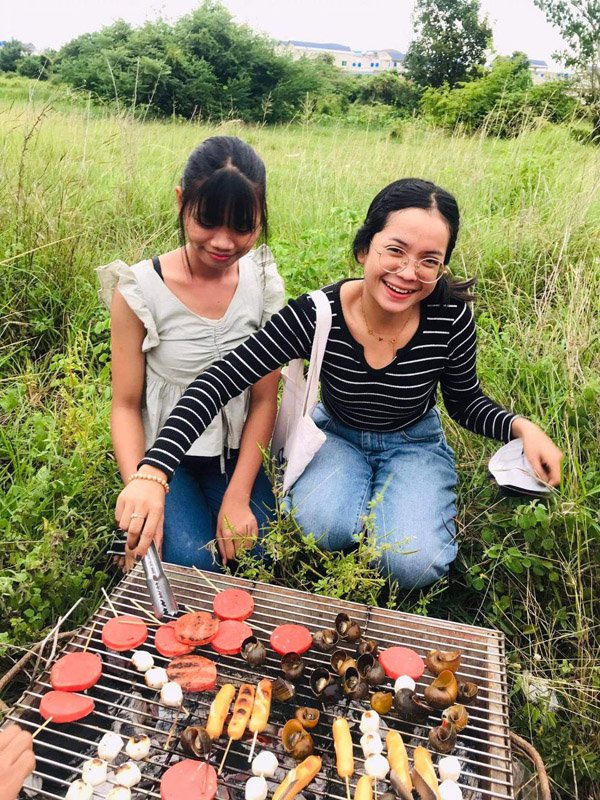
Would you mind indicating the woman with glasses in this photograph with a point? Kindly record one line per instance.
(398, 332)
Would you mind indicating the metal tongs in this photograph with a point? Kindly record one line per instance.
(161, 593)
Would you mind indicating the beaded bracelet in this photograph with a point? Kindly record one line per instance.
(144, 477)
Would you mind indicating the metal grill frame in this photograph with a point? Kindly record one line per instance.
(483, 747)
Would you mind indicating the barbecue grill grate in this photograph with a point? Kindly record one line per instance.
(125, 705)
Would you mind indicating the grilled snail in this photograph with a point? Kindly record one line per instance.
(467, 692)
(340, 661)
(283, 690)
(370, 669)
(439, 660)
(308, 717)
(443, 691)
(292, 666)
(320, 679)
(253, 651)
(410, 707)
(347, 628)
(326, 640)
(443, 738)
(353, 685)
(296, 740)
(368, 646)
(195, 741)
(456, 715)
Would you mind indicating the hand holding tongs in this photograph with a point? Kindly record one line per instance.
(161, 594)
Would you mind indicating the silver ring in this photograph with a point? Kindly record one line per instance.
(137, 516)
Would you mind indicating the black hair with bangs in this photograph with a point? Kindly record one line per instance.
(224, 184)
(416, 193)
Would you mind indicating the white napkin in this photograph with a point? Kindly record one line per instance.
(512, 470)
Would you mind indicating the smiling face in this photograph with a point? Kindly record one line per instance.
(215, 246)
(422, 234)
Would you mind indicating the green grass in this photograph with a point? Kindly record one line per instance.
(81, 187)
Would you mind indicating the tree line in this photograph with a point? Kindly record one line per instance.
(207, 66)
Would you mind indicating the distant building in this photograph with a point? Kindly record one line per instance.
(357, 62)
(541, 72)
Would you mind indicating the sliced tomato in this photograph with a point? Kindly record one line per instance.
(228, 640)
(124, 633)
(167, 643)
(189, 779)
(291, 639)
(193, 673)
(397, 661)
(65, 706)
(233, 604)
(76, 672)
(196, 628)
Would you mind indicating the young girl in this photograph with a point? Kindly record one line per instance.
(172, 317)
(397, 333)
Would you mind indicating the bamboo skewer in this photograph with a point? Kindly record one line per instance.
(251, 753)
(89, 638)
(220, 770)
(348, 787)
(212, 585)
(145, 611)
(108, 600)
(41, 727)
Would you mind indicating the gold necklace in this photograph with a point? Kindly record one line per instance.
(392, 339)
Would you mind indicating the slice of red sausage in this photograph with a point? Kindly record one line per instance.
(124, 633)
(230, 636)
(233, 604)
(189, 779)
(291, 639)
(65, 706)
(197, 628)
(193, 673)
(76, 672)
(397, 661)
(168, 645)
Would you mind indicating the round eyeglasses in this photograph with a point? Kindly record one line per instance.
(394, 260)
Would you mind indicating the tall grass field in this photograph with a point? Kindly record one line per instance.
(81, 187)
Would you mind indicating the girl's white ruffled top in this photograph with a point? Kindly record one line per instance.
(180, 344)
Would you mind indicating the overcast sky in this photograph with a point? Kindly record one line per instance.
(360, 24)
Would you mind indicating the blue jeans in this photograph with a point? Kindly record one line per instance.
(405, 479)
(192, 506)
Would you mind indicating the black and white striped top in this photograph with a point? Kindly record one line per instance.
(442, 351)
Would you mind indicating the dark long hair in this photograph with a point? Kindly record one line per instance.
(224, 183)
(416, 193)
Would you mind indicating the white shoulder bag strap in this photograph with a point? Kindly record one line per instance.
(296, 438)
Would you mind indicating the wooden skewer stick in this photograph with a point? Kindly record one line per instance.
(251, 753)
(212, 585)
(375, 787)
(145, 611)
(220, 770)
(107, 598)
(89, 638)
(172, 731)
(41, 727)
(348, 787)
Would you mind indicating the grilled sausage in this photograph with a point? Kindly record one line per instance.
(298, 778)
(398, 759)
(219, 709)
(364, 788)
(262, 706)
(343, 747)
(241, 712)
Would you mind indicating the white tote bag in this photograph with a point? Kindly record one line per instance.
(296, 438)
